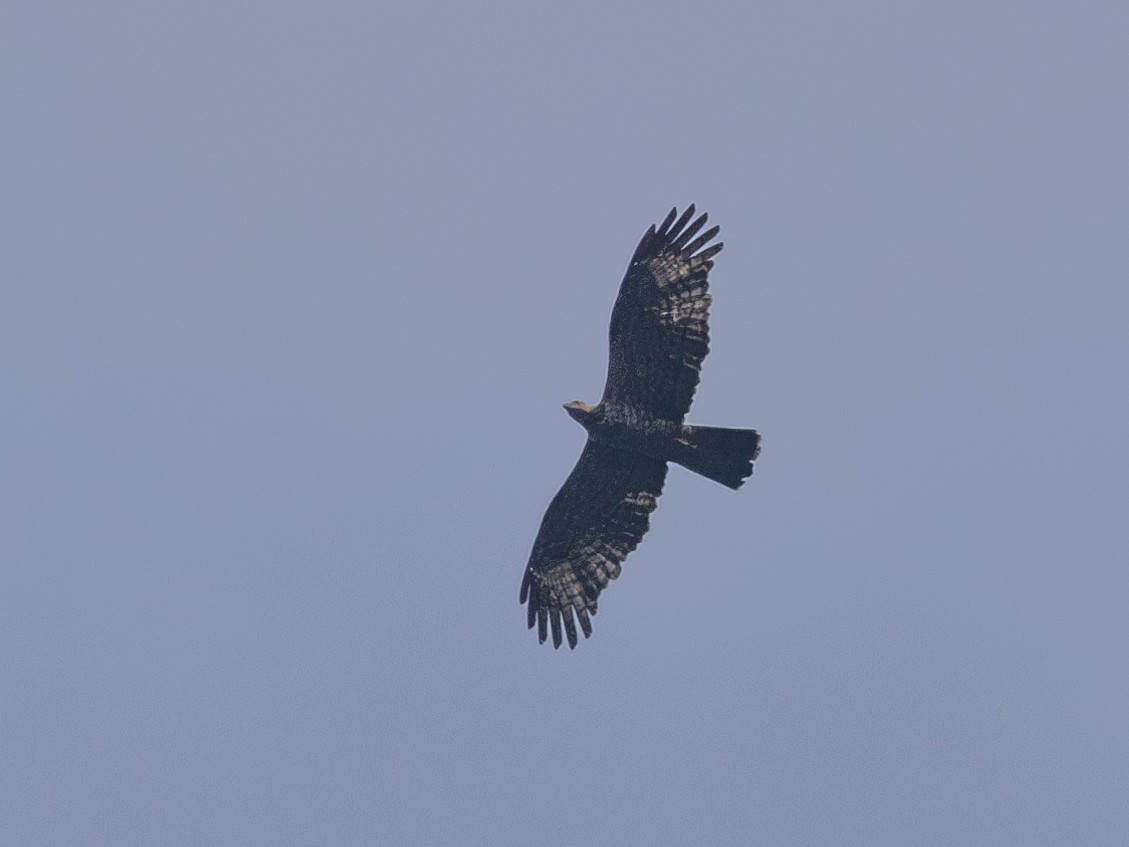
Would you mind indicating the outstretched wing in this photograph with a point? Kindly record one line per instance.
(597, 518)
(660, 323)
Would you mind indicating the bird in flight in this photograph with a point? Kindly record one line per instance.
(659, 336)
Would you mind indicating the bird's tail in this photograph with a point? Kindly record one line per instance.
(723, 455)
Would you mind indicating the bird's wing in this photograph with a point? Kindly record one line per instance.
(597, 518)
(659, 331)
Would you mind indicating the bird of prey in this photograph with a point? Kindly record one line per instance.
(659, 336)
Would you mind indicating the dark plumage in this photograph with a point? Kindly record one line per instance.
(659, 336)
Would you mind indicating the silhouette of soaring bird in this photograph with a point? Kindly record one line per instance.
(659, 336)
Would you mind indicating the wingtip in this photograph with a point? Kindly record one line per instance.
(701, 241)
(585, 624)
(644, 245)
(680, 224)
(555, 626)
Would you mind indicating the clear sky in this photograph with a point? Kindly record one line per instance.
(293, 293)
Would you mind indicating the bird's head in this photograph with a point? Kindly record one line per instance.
(579, 411)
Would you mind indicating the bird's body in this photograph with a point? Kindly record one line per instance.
(619, 427)
(659, 335)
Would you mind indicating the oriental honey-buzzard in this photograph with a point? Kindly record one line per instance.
(659, 336)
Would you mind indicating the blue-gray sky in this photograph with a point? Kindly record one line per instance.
(292, 294)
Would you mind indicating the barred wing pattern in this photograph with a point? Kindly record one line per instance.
(597, 518)
(659, 331)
